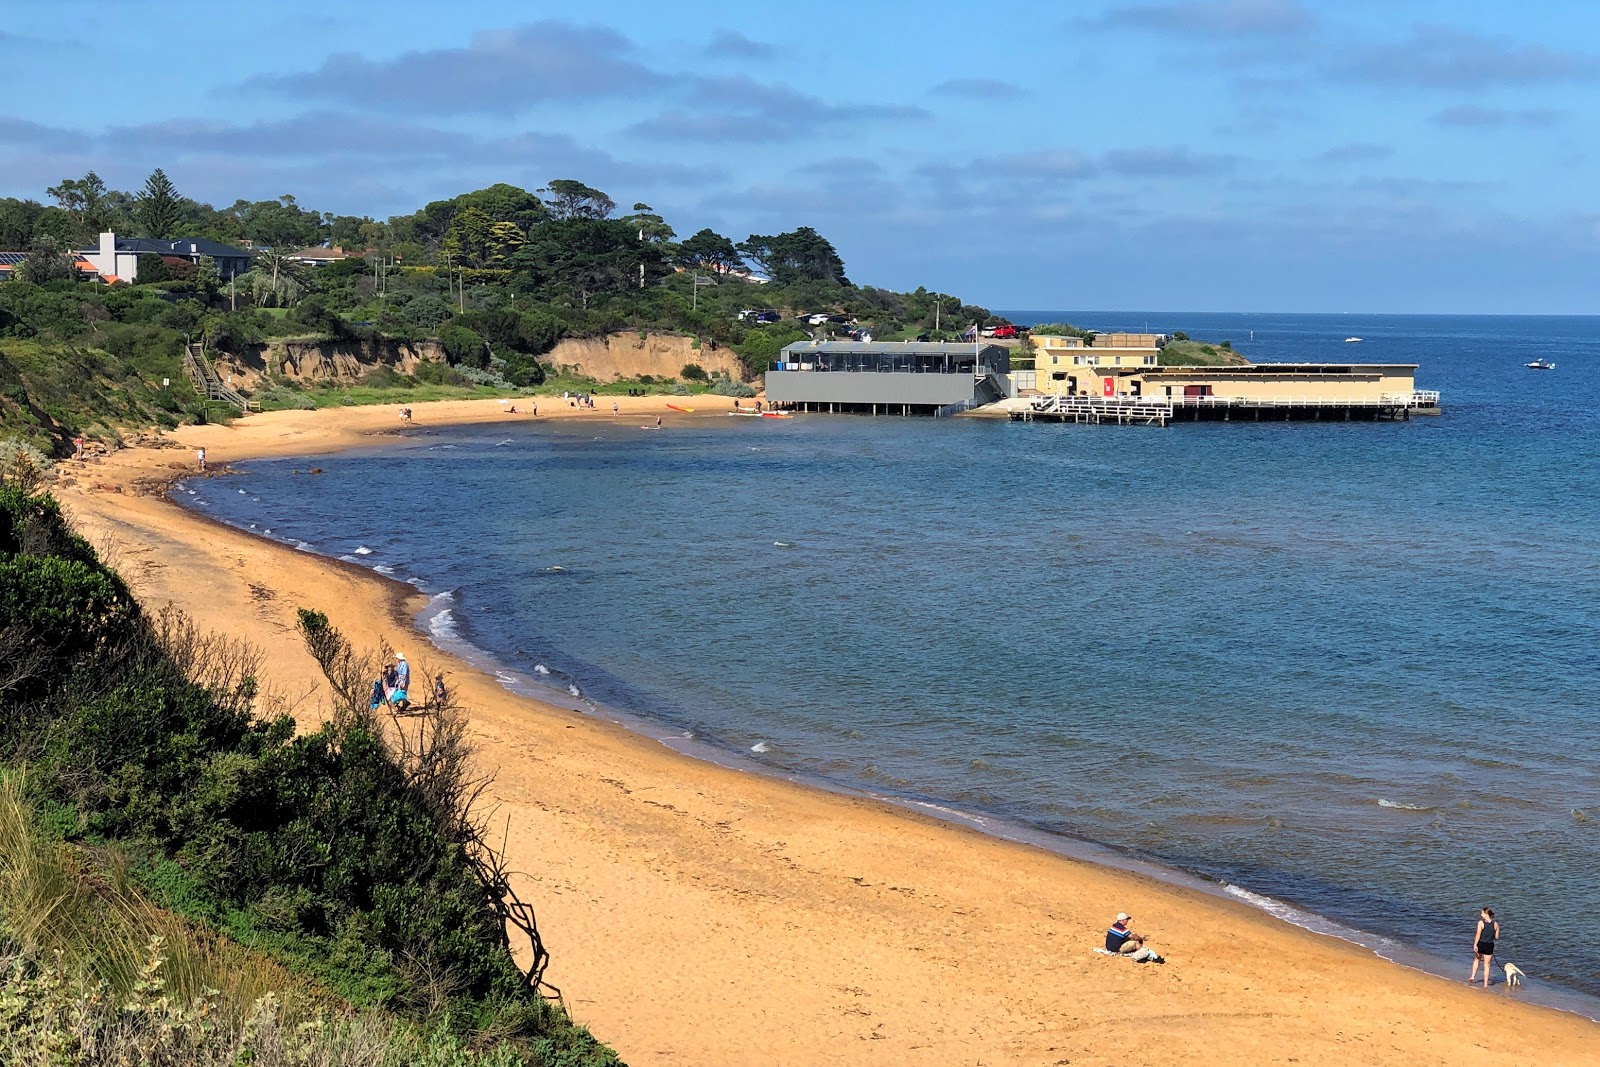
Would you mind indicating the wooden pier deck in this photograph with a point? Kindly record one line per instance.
(1151, 411)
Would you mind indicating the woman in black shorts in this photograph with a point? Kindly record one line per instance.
(1483, 945)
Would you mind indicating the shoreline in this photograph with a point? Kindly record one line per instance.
(999, 825)
(988, 966)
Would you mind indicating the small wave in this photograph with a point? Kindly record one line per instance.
(363, 551)
(507, 680)
(1404, 807)
(348, 559)
(540, 668)
(573, 689)
(557, 569)
(268, 530)
(303, 546)
(384, 569)
(782, 544)
(502, 444)
(242, 493)
(761, 746)
(443, 624)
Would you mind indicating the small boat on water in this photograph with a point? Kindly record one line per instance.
(776, 415)
(1352, 340)
(1540, 364)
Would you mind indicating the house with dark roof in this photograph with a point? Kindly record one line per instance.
(118, 257)
(10, 261)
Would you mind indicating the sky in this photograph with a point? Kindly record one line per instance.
(1204, 155)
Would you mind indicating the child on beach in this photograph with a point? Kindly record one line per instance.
(1483, 944)
(200, 454)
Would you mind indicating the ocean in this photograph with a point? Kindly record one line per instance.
(1343, 671)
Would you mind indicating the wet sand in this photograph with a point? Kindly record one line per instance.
(703, 914)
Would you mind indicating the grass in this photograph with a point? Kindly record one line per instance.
(1198, 354)
(62, 902)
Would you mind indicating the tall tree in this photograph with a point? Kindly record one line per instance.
(568, 199)
(158, 207)
(798, 256)
(651, 227)
(707, 250)
(88, 201)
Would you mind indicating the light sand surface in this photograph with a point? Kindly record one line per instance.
(704, 915)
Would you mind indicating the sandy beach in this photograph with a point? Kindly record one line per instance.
(708, 915)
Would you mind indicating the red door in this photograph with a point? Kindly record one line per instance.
(1110, 387)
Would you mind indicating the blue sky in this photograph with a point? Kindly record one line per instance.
(1241, 155)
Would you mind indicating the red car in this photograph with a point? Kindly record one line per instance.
(1005, 331)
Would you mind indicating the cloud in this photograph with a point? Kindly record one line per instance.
(1165, 163)
(24, 134)
(309, 136)
(979, 89)
(744, 110)
(1472, 115)
(731, 44)
(1441, 57)
(500, 72)
(1356, 152)
(1209, 18)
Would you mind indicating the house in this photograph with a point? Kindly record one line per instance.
(118, 257)
(1057, 357)
(10, 261)
(319, 256)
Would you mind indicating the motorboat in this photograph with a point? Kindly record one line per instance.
(1540, 364)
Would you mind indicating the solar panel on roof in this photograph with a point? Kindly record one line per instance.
(13, 258)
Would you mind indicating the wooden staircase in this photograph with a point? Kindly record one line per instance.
(208, 383)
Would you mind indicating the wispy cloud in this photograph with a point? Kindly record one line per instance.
(731, 44)
(24, 134)
(1472, 115)
(500, 72)
(980, 89)
(1209, 18)
(1356, 152)
(1166, 163)
(742, 109)
(1442, 57)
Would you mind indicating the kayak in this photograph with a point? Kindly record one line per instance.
(675, 407)
(776, 415)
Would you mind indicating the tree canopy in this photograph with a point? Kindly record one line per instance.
(801, 255)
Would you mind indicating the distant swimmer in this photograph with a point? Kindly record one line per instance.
(1488, 933)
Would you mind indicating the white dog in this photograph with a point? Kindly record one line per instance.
(1513, 974)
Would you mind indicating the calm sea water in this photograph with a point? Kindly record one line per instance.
(1347, 666)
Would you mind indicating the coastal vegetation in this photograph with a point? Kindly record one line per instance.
(497, 276)
(165, 833)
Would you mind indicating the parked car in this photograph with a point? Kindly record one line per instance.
(817, 319)
(1004, 331)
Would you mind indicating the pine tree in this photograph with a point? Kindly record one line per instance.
(157, 207)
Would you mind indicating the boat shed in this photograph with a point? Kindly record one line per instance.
(888, 377)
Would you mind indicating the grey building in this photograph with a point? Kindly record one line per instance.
(888, 377)
(118, 257)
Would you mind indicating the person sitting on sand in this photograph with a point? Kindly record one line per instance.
(1121, 938)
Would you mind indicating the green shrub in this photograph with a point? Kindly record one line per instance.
(693, 372)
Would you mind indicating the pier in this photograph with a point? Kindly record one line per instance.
(1153, 411)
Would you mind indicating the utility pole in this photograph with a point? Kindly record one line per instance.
(935, 312)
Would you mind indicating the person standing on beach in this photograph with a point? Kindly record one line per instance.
(658, 422)
(1483, 945)
(200, 454)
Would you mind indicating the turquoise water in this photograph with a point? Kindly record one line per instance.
(1346, 666)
